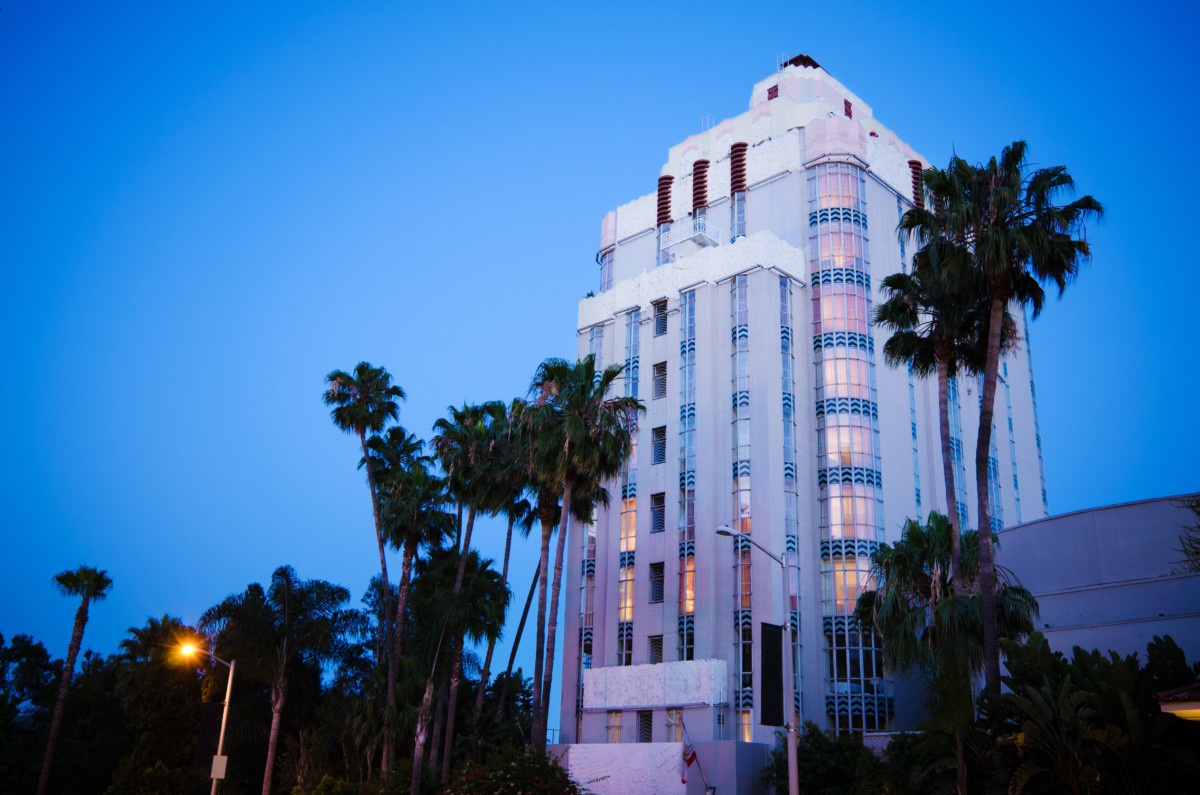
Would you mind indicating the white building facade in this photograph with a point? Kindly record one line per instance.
(739, 297)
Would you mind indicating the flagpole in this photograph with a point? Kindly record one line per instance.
(687, 742)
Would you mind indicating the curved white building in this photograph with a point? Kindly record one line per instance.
(738, 295)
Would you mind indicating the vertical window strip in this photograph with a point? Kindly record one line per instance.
(1012, 444)
(995, 498)
(956, 452)
(857, 696)
(912, 395)
(790, 500)
(1037, 428)
(687, 476)
(588, 589)
(606, 271)
(633, 348)
(742, 563)
(912, 419)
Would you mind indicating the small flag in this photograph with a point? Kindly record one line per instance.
(689, 756)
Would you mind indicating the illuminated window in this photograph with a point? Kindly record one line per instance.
(628, 524)
(687, 585)
(614, 726)
(675, 725)
(743, 576)
(625, 594)
(746, 725)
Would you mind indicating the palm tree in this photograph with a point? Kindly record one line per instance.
(416, 517)
(90, 585)
(1019, 238)
(157, 687)
(466, 446)
(937, 313)
(927, 628)
(395, 454)
(443, 621)
(363, 403)
(581, 438)
(293, 622)
(511, 483)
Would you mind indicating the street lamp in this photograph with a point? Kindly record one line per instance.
(220, 760)
(790, 720)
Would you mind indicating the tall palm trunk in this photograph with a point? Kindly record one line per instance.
(552, 628)
(463, 552)
(278, 696)
(961, 761)
(81, 617)
(491, 646)
(451, 698)
(439, 723)
(389, 749)
(987, 564)
(538, 727)
(456, 677)
(422, 730)
(422, 734)
(410, 551)
(943, 374)
(512, 655)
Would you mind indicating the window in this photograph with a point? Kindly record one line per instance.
(628, 524)
(848, 108)
(773, 92)
(746, 725)
(656, 648)
(660, 318)
(660, 380)
(687, 585)
(614, 726)
(738, 216)
(625, 643)
(658, 445)
(675, 725)
(625, 594)
(658, 512)
(606, 270)
(657, 578)
(645, 726)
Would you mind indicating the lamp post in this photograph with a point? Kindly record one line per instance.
(219, 761)
(790, 720)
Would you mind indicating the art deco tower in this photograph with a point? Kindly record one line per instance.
(738, 296)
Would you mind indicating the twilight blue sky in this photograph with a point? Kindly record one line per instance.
(206, 207)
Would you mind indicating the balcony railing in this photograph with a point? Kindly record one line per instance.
(695, 229)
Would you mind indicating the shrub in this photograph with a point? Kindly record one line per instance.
(516, 771)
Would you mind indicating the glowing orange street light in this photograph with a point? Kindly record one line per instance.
(220, 760)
